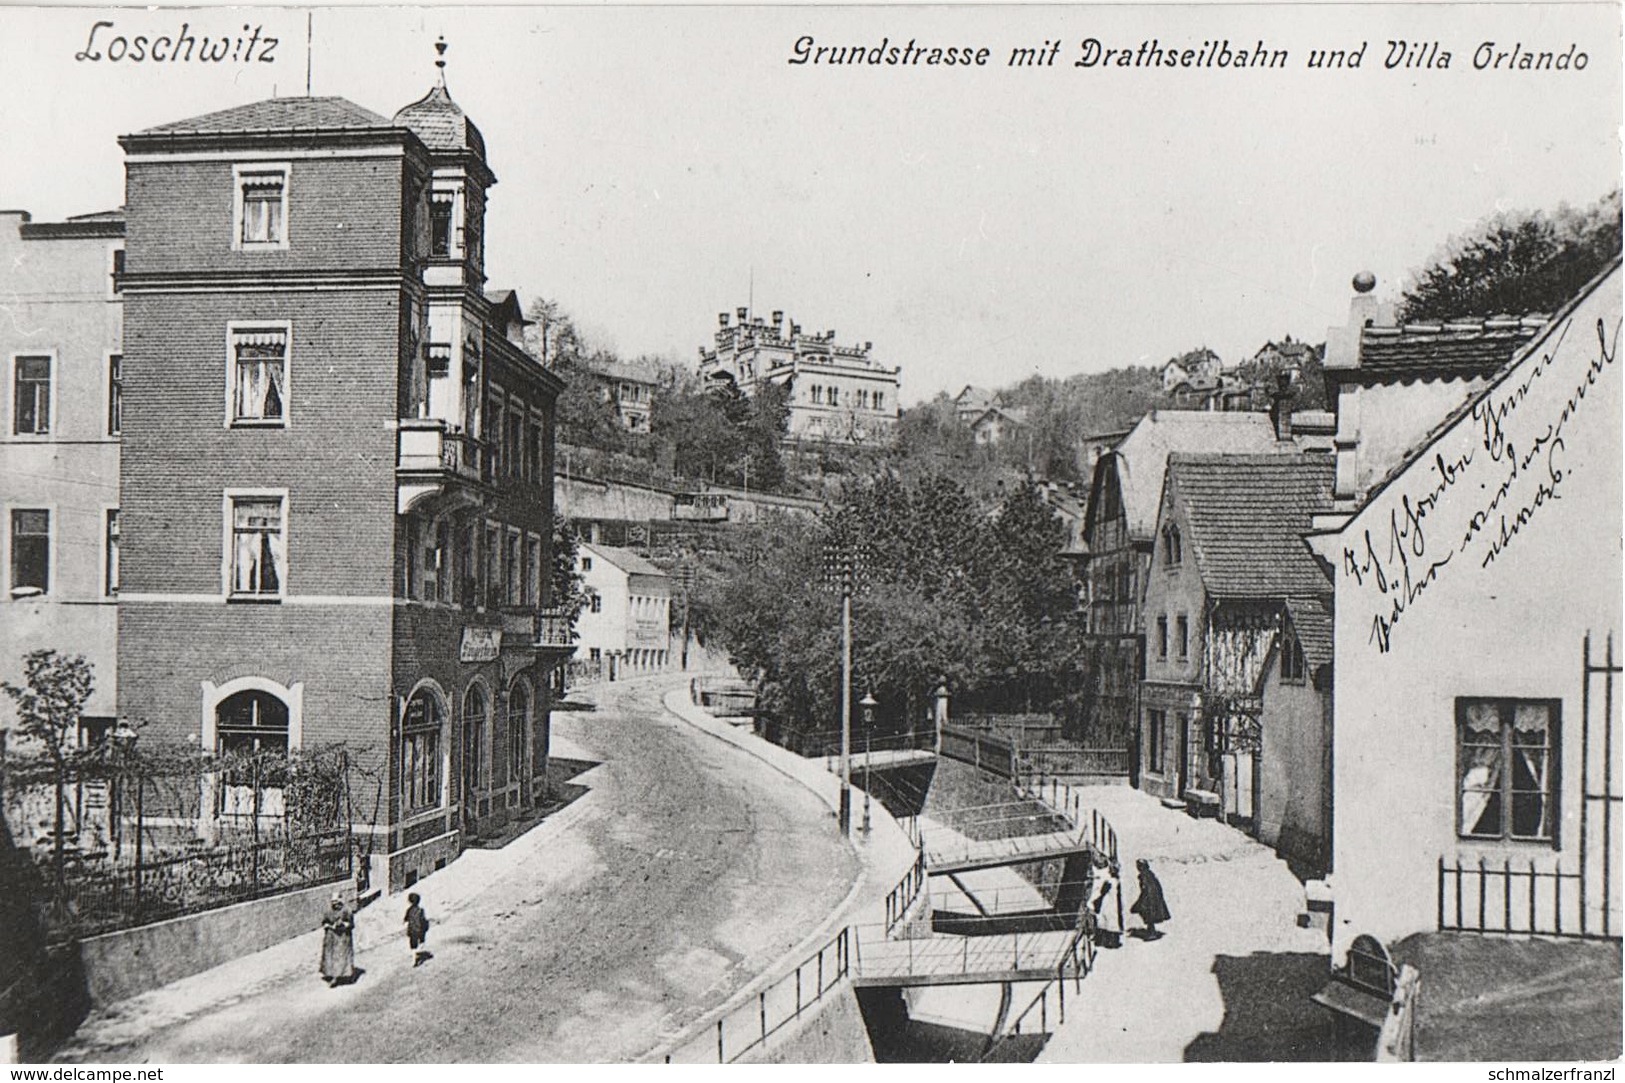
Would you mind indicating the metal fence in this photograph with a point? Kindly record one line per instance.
(984, 751)
(103, 896)
(750, 1024)
(900, 899)
(1074, 762)
(1050, 1002)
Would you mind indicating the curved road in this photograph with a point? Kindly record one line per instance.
(685, 872)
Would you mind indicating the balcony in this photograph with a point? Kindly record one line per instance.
(434, 459)
(548, 630)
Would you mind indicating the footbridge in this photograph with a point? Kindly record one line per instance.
(881, 960)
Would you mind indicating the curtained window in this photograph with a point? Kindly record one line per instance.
(1506, 755)
(259, 550)
(420, 752)
(259, 375)
(263, 207)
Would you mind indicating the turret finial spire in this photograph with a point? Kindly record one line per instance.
(440, 57)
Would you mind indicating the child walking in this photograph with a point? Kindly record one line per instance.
(417, 927)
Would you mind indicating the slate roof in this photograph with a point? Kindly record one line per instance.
(1246, 517)
(441, 123)
(1456, 347)
(625, 559)
(277, 115)
(1142, 455)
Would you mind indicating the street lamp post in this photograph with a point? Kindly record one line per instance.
(124, 738)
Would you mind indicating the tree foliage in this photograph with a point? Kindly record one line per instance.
(1516, 262)
(951, 587)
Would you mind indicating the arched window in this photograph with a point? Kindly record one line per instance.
(251, 738)
(1172, 551)
(518, 731)
(476, 716)
(420, 751)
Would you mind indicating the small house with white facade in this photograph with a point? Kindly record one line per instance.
(626, 626)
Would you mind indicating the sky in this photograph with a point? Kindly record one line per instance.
(978, 224)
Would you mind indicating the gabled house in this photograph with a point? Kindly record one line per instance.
(1119, 525)
(972, 402)
(997, 423)
(1233, 590)
(626, 627)
(629, 386)
(1478, 586)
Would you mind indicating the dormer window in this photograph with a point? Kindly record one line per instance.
(1173, 552)
(262, 207)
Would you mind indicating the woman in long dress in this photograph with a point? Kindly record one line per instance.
(338, 943)
(1151, 905)
(1107, 904)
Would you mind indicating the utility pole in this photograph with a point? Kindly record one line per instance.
(841, 572)
(846, 698)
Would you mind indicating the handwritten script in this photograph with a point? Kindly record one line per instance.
(1504, 463)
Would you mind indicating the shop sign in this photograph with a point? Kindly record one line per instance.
(481, 644)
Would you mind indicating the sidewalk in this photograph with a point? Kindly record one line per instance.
(1231, 977)
(445, 893)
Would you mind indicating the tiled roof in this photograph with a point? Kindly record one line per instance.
(441, 123)
(975, 398)
(277, 115)
(1142, 456)
(634, 372)
(1247, 515)
(624, 559)
(1312, 618)
(1465, 347)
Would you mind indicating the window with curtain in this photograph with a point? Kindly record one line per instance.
(1506, 768)
(420, 752)
(259, 375)
(259, 552)
(264, 206)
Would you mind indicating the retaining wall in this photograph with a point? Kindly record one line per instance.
(121, 964)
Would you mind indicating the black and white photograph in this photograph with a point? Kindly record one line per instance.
(1001, 534)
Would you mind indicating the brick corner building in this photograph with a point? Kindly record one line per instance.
(336, 478)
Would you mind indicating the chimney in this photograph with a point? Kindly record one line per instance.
(778, 317)
(743, 314)
(722, 318)
(1281, 407)
(1343, 343)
